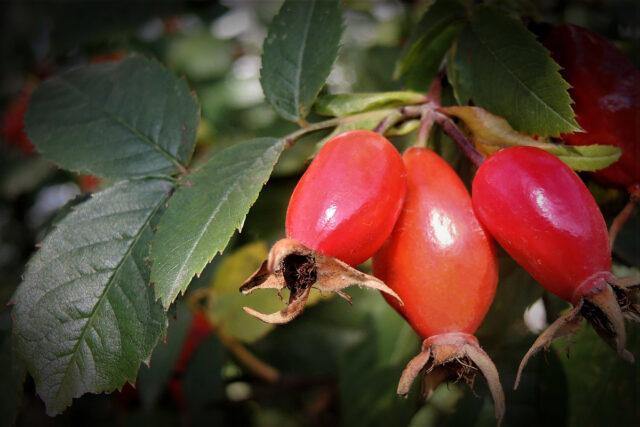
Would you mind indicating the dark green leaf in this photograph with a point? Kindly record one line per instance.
(13, 374)
(627, 244)
(298, 54)
(429, 43)
(117, 119)
(328, 329)
(504, 69)
(344, 104)
(459, 76)
(85, 316)
(153, 379)
(206, 211)
(369, 372)
(604, 389)
(203, 378)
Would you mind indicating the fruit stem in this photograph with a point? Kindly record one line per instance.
(388, 122)
(452, 130)
(256, 366)
(625, 214)
(426, 123)
(200, 300)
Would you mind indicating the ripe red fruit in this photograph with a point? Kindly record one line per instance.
(88, 183)
(442, 264)
(340, 213)
(13, 131)
(347, 201)
(606, 91)
(545, 218)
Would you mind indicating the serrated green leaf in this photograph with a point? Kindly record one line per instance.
(511, 74)
(344, 104)
(429, 43)
(204, 213)
(203, 378)
(85, 316)
(153, 379)
(298, 53)
(117, 119)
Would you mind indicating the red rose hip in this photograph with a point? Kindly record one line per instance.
(342, 210)
(543, 215)
(442, 264)
(347, 202)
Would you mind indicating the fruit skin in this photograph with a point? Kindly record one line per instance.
(606, 91)
(544, 216)
(439, 259)
(442, 264)
(347, 202)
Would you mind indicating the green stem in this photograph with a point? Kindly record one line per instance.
(313, 127)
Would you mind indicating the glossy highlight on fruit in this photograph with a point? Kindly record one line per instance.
(442, 264)
(347, 202)
(342, 210)
(606, 91)
(544, 216)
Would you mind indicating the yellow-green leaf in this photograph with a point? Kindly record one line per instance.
(491, 133)
(344, 104)
(369, 122)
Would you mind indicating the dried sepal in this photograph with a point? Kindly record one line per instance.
(627, 291)
(567, 324)
(452, 356)
(290, 265)
(603, 312)
(604, 308)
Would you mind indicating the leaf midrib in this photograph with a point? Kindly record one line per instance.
(301, 52)
(110, 281)
(520, 82)
(126, 125)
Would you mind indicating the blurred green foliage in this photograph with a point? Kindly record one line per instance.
(339, 364)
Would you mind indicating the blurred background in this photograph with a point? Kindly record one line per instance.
(336, 364)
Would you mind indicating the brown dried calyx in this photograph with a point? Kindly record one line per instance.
(452, 357)
(605, 307)
(297, 268)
